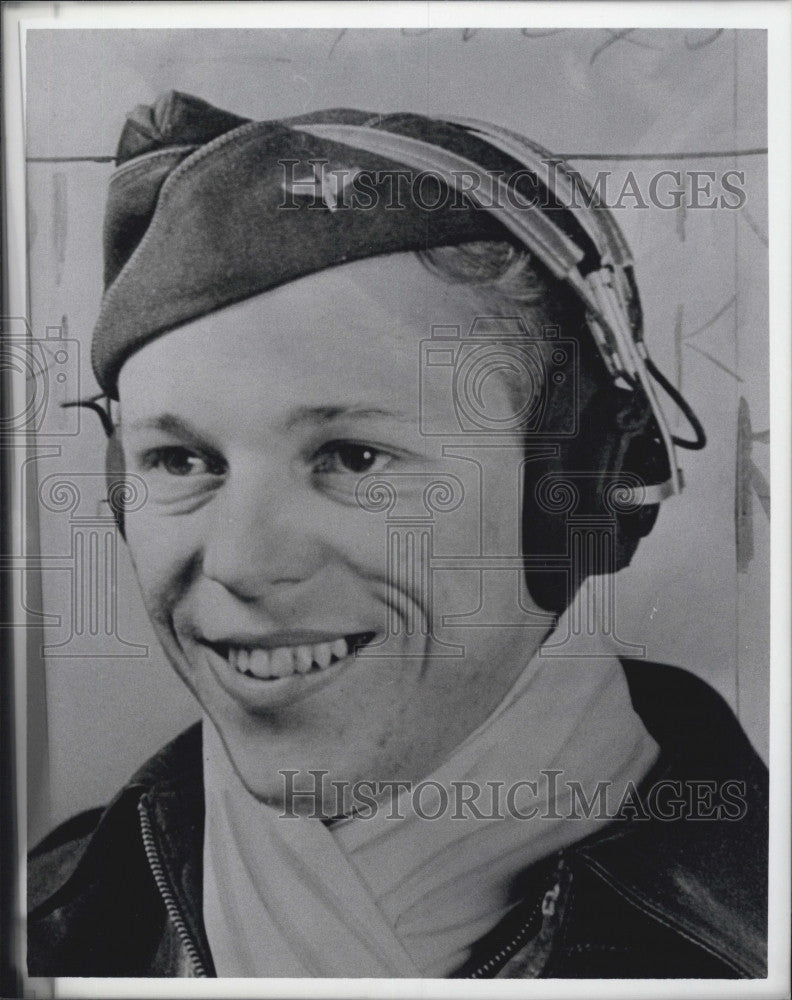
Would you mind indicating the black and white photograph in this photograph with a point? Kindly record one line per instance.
(388, 447)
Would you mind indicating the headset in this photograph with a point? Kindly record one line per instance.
(621, 463)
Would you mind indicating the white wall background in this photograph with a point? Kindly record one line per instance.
(100, 706)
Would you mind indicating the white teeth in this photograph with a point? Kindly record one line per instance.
(281, 662)
(286, 660)
(239, 659)
(259, 662)
(303, 658)
(321, 653)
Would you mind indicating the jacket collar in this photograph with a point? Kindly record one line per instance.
(705, 879)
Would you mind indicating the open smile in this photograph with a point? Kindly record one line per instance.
(261, 676)
(268, 662)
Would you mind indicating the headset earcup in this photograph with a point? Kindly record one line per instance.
(617, 442)
(115, 475)
(646, 459)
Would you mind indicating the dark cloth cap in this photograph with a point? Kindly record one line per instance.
(207, 208)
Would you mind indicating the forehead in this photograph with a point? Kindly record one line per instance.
(355, 327)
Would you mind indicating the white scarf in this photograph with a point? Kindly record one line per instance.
(407, 898)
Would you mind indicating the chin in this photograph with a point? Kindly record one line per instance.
(291, 769)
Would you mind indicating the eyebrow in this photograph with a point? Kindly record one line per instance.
(168, 423)
(326, 414)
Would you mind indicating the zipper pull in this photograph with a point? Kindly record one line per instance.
(532, 958)
(549, 900)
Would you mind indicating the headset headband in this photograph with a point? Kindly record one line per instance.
(607, 290)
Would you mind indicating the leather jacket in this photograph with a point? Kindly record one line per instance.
(118, 891)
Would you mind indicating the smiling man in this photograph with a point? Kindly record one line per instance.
(361, 423)
(258, 563)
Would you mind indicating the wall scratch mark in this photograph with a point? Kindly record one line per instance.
(752, 225)
(60, 222)
(749, 481)
(678, 357)
(336, 40)
(713, 319)
(714, 360)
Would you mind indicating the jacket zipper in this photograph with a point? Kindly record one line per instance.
(171, 906)
(547, 907)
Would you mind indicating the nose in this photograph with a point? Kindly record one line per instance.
(259, 536)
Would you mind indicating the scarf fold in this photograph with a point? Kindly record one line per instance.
(384, 897)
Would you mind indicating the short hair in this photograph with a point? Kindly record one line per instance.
(510, 283)
(498, 268)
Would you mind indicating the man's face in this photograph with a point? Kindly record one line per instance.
(264, 563)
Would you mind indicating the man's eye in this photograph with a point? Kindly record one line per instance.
(176, 461)
(350, 457)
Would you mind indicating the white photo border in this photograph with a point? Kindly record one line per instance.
(776, 18)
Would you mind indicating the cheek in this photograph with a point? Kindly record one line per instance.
(487, 522)
(163, 560)
(484, 513)
(358, 538)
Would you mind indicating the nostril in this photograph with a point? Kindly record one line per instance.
(245, 572)
(253, 554)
